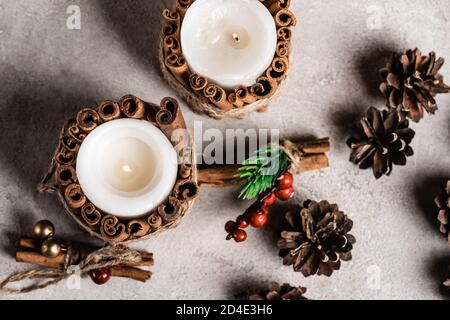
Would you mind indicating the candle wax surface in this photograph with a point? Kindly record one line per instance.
(230, 42)
(127, 167)
(130, 166)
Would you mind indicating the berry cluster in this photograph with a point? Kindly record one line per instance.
(257, 215)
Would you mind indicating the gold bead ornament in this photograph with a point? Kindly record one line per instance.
(44, 230)
(51, 248)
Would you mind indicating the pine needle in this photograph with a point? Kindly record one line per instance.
(261, 171)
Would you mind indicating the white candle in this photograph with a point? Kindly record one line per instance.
(230, 42)
(127, 167)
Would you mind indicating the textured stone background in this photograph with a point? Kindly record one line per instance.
(48, 72)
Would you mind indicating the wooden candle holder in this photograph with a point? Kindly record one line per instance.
(209, 98)
(62, 178)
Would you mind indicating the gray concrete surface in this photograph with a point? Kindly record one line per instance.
(48, 72)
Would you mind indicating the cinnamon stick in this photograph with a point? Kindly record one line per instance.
(313, 162)
(275, 6)
(40, 260)
(315, 146)
(219, 176)
(131, 273)
(26, 243)
(147, 261)
(313, 157)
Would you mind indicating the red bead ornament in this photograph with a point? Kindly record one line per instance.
(230, 226)
(242, 222)
(240, 235)
(264, 210)
(285, 194)
(100, 276)
(258, 220)
(285, 181)
(269, 200)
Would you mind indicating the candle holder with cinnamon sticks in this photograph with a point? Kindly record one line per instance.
(206, 97)
(62, 177)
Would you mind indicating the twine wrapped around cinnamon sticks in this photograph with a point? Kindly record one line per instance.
(77, 259)
(209, 98)
(62, 180)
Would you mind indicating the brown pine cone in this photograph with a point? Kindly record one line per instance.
(317, 239)
(277, 292)
(443, 203)
(411, 81)
(381, 139)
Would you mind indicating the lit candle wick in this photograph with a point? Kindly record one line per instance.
(236, 37)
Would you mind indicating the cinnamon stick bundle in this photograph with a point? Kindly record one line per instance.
(61, 178)
(304, 156)
(29, 252)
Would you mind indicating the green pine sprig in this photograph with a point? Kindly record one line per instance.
(261, 171)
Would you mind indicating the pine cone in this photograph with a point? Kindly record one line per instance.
(317, 239)
(443, 203)
(381, 139)
(277, 292)
(411, 81)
